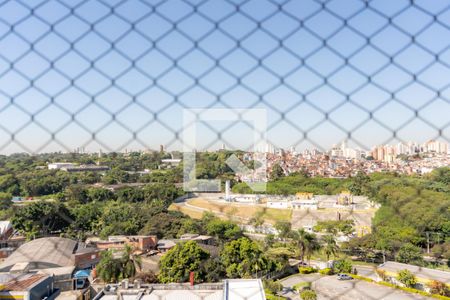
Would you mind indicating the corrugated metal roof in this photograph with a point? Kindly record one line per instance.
(22, 284)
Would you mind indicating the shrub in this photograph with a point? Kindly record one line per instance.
(308, 295)
(272, 286)
(326, 271)
(342, 266)
(409, 253)
(274, 297)
(407, 278)
(438, 288)
(306, 270)
(382, 274)
(301, 286)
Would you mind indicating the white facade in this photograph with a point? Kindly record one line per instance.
(279, 204)
(57, 166)
(305, 204)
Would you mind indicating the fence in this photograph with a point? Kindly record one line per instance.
(115, 75)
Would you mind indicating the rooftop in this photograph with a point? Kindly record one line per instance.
(234, 289)
(45, 252)
(22, 283)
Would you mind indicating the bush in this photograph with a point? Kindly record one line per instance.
(308, 295)
(274, 297)
(407, 278)
(342, 266)
(438, 288)
(306, 270)
(326, 271)
(301, 286)
(272, 286)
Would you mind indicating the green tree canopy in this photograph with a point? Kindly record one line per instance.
(182, 259)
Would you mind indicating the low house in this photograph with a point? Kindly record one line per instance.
(201, 239)
(50, 252)
(28, 287)
(165, 245)
(423, 275)
(142, 243)
(305, 204)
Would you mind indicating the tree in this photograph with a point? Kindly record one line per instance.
(108, 269)
(5, 200)
(283, 228)
(120, 218)
(277, 172)
(342, 266)
(244, 258)
(407, 278)
(359, 184)
(335, 226)
(182, 259)
(305, 243)
(330, 247)
(130, 263)
(441, 251)
(409, 253)
(308, 295)
(269, 240)
(223, 230)
(258, 219)
(166, 224)
(214, 270)
(111, 269)
(9, 184)
(41, 218)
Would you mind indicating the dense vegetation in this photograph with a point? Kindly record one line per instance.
(414, 210)
(414, 213)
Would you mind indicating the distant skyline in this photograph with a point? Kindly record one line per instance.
(114, 74)
(223, 147)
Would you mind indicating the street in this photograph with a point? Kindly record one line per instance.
(329, 287)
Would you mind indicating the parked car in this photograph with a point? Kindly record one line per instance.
(344, 277)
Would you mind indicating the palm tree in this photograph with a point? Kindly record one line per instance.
(130, 263)
(108, 269)
(305, 242)
(330, 247)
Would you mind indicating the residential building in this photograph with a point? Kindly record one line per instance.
(27, 287)
(230, 289)
(60, 165)
(50, 252)
(139, 243)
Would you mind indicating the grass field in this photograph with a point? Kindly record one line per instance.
(195, 214)
(269, 215)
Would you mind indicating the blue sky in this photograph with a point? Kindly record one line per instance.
(125, 70)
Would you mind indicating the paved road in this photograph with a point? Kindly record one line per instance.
(366, 271)
(330, 288)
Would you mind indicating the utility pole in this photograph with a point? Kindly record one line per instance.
(428, 242)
